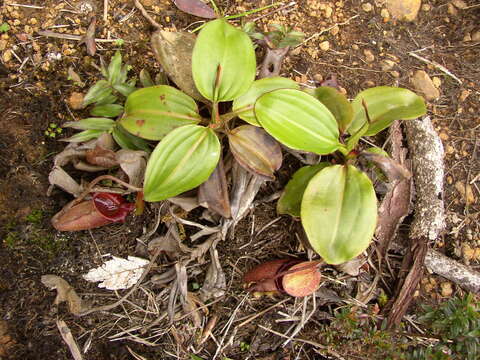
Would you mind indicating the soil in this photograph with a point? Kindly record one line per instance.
(34, 88)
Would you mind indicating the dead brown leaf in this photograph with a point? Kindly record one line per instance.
(195, 7)
(213, 193)
(64, 293)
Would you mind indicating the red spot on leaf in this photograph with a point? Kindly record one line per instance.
(140, 122)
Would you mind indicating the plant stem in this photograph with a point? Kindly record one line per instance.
(215, 114)
(343, 150)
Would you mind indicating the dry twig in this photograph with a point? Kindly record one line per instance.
(437, 65)
(69, 339)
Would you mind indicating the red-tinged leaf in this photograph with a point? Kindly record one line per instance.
(214, 192)
(196, 8)
(82, 216)
(112, 207)
(302, 279)
(255, 150)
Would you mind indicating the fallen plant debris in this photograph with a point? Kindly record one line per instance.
(117, 273)
(65, 293)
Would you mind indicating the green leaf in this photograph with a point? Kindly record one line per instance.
(124, 89)
(298, 120)
(223, 61)
(4, 27)
(353, 140)
(115, 69)
(385, 105)
(128, 141)
(243, 105)
(151, 113)
(339, 213)
(98, 92)
(145, 78)
(255, 150)
(291, 198)
(107, 110)
(103, 124)
(184, 159)
(84, 136)
(338, 105)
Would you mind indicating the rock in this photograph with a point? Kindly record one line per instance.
(395, 74)
(446, 289)
(7, 56)
(3, 44)
(147, 2)
(426, 7)
(385, 14)
(387, 65)
(296, 51)
(355, 47)
(328, 12)
(452, 10)
(75, 100)
(367, 7)
(325, 46)
(467, 37)
(460, 4)
(404, 9)
(464, 95)
(437, 82)
(318, 78)
(476, 36)
(423, 84)
(466, 191)
(335, 30)
(369, 57)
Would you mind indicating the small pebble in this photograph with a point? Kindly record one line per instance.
(325, 46)
(369, 57)
(436, 81)
(367, 7)
(318, 78)
(385, 14)
(7, 56)
(446, 289)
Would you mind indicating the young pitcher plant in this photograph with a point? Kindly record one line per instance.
(336, 202)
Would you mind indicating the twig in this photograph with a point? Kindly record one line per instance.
(69, 339)
(132, 290)
(313, 343)
(437, 65)
(53, 34)
(26, 6)
(326, 30)
(290, 4)
(251, 318)
(453, 271)
(140, 7)
(105, 10)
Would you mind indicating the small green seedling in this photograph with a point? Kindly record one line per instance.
(53, 130)
(4, 27)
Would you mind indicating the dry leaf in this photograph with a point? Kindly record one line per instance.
(215, 282)
(60, 178)
(173, 51)
(353, 266)
(101, 156)
(133, 163)
(213, 193)
(195, 7)
(64, 293)
(391, 168)
(118, 273)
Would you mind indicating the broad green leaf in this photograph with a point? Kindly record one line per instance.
(223, 61)
(84, 136)
(385, 105)
(98, 92)
(291, 198)
(109, 99)
(145, 78)
(107, 110)
(115, 68)
(298, 120)
(184, 159)
(124, 89)
(103, 124)
(338, 105)
(339, 213)
(151, 113)
(243, 105)
(128, 141)
(255, 150)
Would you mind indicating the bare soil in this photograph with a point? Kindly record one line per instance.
(34, 88)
